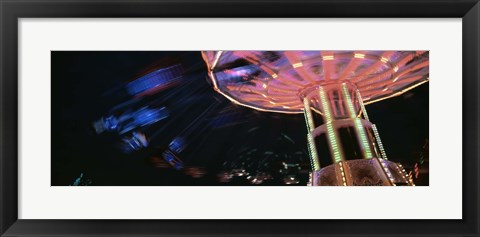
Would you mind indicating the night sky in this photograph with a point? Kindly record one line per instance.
(86, 85)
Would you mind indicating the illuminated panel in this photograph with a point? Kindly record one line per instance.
(367, 150)
(331, 133)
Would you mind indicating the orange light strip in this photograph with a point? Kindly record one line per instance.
(398, 93)
(383, 83)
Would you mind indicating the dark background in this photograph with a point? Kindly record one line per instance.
(85, 85)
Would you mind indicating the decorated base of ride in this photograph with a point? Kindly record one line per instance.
(371, 172)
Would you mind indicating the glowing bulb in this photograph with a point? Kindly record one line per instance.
(297, 65)
(359, 55)
(327, 57)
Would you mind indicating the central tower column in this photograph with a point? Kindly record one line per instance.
(347, 137)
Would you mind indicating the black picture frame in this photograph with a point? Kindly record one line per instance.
(11, 11)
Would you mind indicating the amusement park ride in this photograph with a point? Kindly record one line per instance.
(331, 88)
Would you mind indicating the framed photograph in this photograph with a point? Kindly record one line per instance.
(243, 118)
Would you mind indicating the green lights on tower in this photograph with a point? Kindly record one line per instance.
(367, 150)
(312, 149)
(331, 134)
(374, 128)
